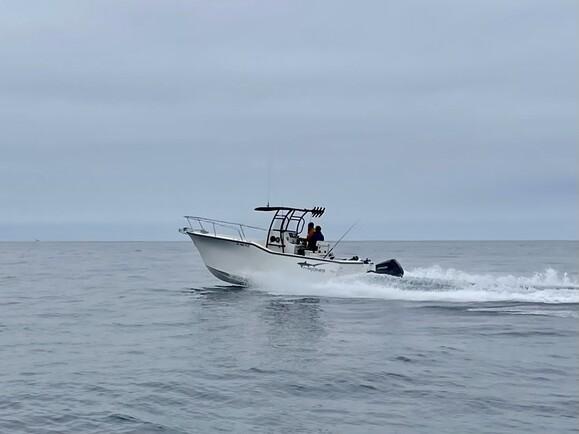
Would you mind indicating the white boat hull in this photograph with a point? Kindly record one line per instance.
(241, 262)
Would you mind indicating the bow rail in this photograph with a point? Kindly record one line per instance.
(214, 223)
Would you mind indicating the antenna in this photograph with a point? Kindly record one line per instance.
(268, 179)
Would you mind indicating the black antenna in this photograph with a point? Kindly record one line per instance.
(268, 179)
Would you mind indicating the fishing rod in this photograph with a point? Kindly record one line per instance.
(341, 238)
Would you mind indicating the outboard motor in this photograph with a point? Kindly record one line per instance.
(390, 267)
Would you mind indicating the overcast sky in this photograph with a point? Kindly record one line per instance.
(421, 119)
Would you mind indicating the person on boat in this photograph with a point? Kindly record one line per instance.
(311, 230)
(313, 240)
(318, 236)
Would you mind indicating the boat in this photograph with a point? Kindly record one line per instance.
(234, 258)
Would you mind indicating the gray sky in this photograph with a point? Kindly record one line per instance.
(425, 120)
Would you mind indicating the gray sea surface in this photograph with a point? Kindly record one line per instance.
(138, 337)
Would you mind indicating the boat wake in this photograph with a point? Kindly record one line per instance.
(436, 284)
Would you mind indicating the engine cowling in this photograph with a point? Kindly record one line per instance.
(391, 267)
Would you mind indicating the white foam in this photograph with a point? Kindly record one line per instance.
(435, 284)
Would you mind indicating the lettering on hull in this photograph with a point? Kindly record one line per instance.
(312, 267)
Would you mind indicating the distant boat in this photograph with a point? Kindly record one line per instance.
(235, 258)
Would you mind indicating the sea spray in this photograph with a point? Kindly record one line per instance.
(432, 284)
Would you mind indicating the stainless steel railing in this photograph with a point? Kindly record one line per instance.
(203, 222)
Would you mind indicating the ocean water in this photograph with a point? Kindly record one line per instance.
(139, 338)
